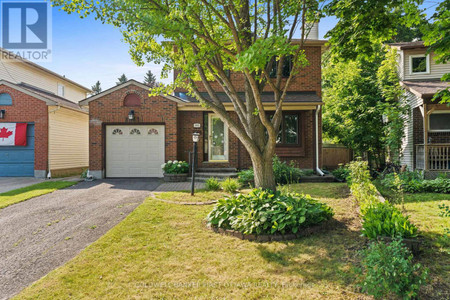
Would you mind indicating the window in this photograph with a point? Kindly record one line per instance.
(61, 90)
(290, 129)
(132, 100)
(439, 121)
(135, 131)
(117, 131)
(5, 99)
(419, 64)
(287, 67)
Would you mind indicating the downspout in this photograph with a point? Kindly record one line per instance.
(318, 170)
(49, 174)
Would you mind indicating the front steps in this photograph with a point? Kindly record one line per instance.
(203, 174)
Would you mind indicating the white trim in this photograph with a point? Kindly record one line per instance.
(226, 141)
(427, 57)
(437, 112)
(25, 91)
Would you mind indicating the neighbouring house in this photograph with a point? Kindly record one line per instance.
(57, 135)
(426, 145)
(133, 134)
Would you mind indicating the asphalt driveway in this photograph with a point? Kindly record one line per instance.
(38, 235)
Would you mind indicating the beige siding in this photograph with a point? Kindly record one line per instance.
(17, 72)
(68, 138)
(436, 70)
(408, 139)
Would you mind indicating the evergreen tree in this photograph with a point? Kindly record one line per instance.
(96, 88)
(150, 79)
(122, 79)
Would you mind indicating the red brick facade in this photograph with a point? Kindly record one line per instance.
(110, 109)
(27, 109)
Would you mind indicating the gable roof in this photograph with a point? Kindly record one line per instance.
(47, 97)
(120, 86)
(36, 66)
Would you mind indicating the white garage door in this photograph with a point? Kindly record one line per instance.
(134, 150)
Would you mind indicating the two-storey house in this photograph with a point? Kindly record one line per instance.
(132, 134)
(426, 145)
(45, 106)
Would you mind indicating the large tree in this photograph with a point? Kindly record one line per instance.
(207, 38)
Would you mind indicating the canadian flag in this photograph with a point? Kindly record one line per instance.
(13, 134)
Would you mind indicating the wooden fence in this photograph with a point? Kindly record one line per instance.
(334, 155)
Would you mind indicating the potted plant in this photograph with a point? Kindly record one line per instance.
(175, 171)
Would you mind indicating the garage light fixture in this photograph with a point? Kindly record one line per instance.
(2, 114)
(131, 115)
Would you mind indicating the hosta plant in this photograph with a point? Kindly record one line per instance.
(267, 212)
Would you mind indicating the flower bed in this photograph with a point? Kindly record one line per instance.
(175, 171)
(262, 213)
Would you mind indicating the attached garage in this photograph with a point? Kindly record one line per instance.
(17, 161)
(134, 150)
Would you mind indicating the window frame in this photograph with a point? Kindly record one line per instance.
(10, 98)
(427, 59)
(287, 60)
(60, 85)
(429, 123)
(299, 129)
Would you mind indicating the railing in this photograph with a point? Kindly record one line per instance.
(434, 157)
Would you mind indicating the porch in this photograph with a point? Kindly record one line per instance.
(433, 157)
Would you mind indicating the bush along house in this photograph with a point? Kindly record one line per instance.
(133, 134)
(43, 130)
(426, 145)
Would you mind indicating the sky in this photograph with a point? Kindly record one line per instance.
(85, 50)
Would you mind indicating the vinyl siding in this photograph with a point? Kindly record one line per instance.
(17, 72)
(408, 139)
(68, 139)
(436, 70)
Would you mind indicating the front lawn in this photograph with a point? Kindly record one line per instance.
(163, 250)
(26, 193)
(185, 196)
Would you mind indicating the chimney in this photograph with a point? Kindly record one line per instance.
(313, 29)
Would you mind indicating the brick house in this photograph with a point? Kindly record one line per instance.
(57, 127)
(132, 134)
(426, 145)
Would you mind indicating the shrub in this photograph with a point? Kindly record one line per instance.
(361, 185)
(265, 212)
(388, 269)
(413, 182)
(383, 219)
(284, 173)
(246, 177)
(175, 167)
(341, 173)
(230, 185)
(212, 184)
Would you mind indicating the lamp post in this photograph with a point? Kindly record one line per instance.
(195, 138)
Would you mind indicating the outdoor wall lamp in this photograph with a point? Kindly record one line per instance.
(195, 137)
(131, 115)
(2, 114)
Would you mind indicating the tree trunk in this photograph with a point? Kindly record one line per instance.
(263, 170)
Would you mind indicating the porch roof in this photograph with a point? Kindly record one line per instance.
(266, 97)
(425, 89)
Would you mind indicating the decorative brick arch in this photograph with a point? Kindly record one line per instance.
(132, 99)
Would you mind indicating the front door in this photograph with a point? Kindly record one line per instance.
(218, 139)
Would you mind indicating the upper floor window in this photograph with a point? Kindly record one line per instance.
(132, 100)
(5, 99)
(439, 121)
(419, 64)
(287, 67)
(61, 90)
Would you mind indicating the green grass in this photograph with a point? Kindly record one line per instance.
(164, 251)
(185, 196)
(26, 193)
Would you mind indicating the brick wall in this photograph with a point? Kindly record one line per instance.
(308, 79)
(27, 109)
(110, 109)
(238, 155)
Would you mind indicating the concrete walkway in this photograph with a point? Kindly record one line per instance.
(38, 235)
(178, 186)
